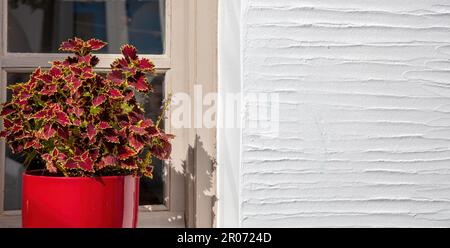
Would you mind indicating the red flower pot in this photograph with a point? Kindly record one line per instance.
(107, 202)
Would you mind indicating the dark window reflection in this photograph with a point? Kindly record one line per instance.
(39, 26)
(151, 190)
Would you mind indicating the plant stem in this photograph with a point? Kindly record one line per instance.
(165, 107)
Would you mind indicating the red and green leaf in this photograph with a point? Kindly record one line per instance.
(86, 121)
(136, 143)
(146, 65)
(140, 83)
(98, 100)
(96, 44)
(115, 93)
(129, 52)
(103, 125)
(62, 118)
(91, 131)
(125, 152)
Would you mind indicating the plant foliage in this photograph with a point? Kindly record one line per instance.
(81, 123)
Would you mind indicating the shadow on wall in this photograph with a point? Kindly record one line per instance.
(200, 175)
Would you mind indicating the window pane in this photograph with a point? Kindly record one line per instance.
(39, 26)
(151, 190)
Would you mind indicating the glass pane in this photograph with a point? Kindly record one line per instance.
(39, 26)
(151, 190)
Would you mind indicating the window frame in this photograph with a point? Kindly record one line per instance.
(172, 212)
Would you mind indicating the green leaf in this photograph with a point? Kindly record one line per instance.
(95, 110)
(126, 108)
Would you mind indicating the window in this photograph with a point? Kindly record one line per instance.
(179, 36)
(31, 32)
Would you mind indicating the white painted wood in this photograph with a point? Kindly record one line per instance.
(364, 138)
(146, 220)
(228, 138)
(32, 60)
(162, 220)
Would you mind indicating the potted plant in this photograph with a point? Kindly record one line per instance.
(91, 135)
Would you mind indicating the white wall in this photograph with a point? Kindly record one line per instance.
(365, 113)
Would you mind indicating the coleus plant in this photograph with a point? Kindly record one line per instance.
(81, 123)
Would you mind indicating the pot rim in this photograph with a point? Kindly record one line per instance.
(28, 174)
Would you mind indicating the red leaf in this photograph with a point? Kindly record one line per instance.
(115, 93)
(16, 128)
(49, 162)
(55, 152)
(138, 130)
(71, 164)
(103, 125)
(108, 160)
(123, 133)
(140, 84)
(7, 123)
(6, 110)
(51, 167)
(78, 111)
(129, 95)
(98, 100)
(49, 90)
(136, 143)
(45, 78)
(116, 77)
(148, 171)
(146, 65)
(85, 59)
(63, 133)
(87, 72)
(86, 162)
(24, 95)
(146, 123)
(62, 157)
(76, 83)
(23, 136)
(125, 152)
(62, 118)
(112, 139)
(40, 114)
(3, 133)
(75, 70)
(32, 143)
(47, 132)
(91, 131)
(77, 122)
(55, 72)
(128, 164)
(129, 52)
(162, 148)
(120, 64)
(94, 60)
(71, 45)
(94, 154)
(96, 44)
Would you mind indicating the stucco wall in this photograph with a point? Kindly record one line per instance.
(364, 92)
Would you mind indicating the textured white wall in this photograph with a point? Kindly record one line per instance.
(365, 113)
